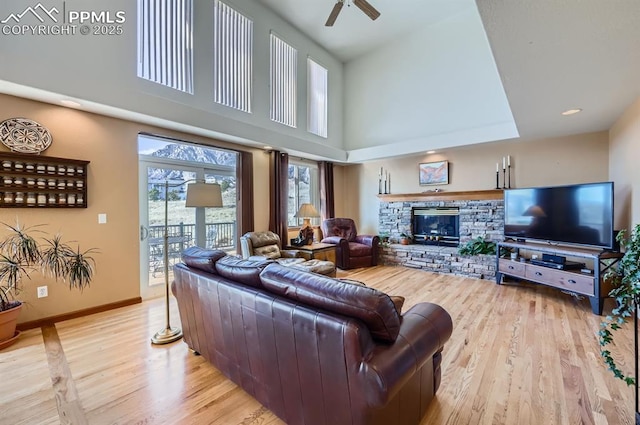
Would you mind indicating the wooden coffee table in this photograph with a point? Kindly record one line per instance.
(317, 251)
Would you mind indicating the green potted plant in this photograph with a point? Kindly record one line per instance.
(405, 239)
(477, 246)
(626, 281)
(21, 254)
(384, 239)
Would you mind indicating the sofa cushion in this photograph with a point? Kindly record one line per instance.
(397, 300)
(201, 258)
(242, 271)
(373, 307)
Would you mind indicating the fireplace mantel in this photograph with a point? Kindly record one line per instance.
(469, 195)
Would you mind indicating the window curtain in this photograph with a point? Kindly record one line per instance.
(244, 176)
(325, 171)
(279, 195)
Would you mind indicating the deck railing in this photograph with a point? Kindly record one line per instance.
(218, 236)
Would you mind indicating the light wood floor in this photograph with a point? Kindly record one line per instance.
(520, 354)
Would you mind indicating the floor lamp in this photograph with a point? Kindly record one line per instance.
(199, 194)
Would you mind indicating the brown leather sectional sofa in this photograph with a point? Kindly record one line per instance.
(312, 349)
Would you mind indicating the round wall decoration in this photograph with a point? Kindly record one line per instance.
(25, 136)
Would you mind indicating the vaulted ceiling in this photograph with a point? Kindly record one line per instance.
(551, 55)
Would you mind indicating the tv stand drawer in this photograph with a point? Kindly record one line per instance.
(561, 279)
(512, 268)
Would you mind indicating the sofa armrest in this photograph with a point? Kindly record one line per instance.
(424, 330)
(336, 240)
(366, 239)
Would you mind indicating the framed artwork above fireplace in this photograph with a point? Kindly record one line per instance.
(434, 173)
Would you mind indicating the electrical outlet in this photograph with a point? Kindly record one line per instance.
(42, 292)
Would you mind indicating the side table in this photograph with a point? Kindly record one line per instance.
(317, 251)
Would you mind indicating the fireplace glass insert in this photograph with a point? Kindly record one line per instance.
(436, 226)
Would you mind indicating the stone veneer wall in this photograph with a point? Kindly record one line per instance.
(483, 218)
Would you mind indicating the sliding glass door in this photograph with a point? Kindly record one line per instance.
(205, 227)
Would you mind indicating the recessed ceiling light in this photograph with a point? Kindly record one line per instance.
(431, 151)
(572, 111)
(70, 103)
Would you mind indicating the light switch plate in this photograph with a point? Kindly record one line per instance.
(102, 218)
(42, 292)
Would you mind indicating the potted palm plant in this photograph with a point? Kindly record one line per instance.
(24, 250)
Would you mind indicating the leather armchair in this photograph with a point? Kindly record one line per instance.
(267, 245)
(352, 250)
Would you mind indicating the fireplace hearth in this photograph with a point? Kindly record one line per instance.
(436, 225)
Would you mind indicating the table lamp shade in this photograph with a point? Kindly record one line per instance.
(307, 211)
(204, 195)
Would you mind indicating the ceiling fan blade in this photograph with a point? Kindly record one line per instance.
(369, 10)
(334, 13)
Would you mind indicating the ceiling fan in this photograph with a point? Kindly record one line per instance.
(363, 5)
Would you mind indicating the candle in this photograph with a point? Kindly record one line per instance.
(504, 163)
(509, 160)
(384, 177)
(497, 167)
(380, 174)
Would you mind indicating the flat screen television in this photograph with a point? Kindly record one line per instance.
(580, 214)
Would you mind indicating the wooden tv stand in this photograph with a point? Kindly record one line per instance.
(574, 281)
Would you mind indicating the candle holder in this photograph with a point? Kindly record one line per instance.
(504, 178)
(497, 179)
(509, 182)
(379, 185)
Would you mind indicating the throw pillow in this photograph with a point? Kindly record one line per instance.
(398, 302)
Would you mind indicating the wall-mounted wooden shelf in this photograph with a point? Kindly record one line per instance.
(469, 195)
(35, 181)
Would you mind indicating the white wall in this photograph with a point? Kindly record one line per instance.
(624, 151)
(102, 69)
(573, 159)
(389, 92)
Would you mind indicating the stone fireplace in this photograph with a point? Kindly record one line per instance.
(433, 219)
(436, 226)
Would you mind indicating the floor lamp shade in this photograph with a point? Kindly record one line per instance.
(201, 194)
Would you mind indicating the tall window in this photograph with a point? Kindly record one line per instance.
(303, 188)
(284, 76)
(317, 83)
(232, 57)
(165, 47)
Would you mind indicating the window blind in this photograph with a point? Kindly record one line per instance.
(232, 57)
(283, 82)
(165, 47)
(317, 82)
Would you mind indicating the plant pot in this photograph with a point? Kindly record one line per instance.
(8, 322)
(404, 241)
